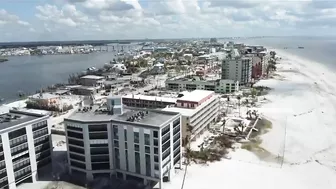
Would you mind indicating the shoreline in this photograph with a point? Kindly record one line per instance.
(301, 76)
(302, 109)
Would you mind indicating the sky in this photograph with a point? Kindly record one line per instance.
(45, 20)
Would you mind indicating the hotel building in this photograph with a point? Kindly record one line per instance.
(237, 68)
(199, 109)
(25, 147)
(131, 144)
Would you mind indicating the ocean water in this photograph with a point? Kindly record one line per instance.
(31, 73)
(319, 49)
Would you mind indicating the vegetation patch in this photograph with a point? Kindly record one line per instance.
(260, 90)
(217, 150)
(263, 126)
(45, 106)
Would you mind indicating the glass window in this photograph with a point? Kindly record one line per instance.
(116, 143)
(136, 147)
(147, 149)
(156, 142)
(125, 134)
(137, 162)
(147, 139)
(156, 150)
(136, 137)
(148, 165)
(117, 158)
(115, 132)
(155, 134)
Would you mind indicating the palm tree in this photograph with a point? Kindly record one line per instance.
(239, 97)
(239, 128)
(249, 114)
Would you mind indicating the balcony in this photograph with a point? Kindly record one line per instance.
(21, 149)
(22, 173)
(18, 140)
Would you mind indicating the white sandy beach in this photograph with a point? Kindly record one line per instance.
(303, 113)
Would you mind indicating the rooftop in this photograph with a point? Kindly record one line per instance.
(188, 111)
(92, 77)
(196, 95)
(44, 96)
(153, 118)
(151, 98)
(14, 117)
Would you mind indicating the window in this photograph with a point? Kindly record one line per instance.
(147, 139)
(147, 149)
(98, 151)
(156, 142)
(77, 164)
(116, 143)
(100, 158)
(95, 128)
(117, 158)
(74, 135)
(115, 132)
(137, 162)
(74, 142)
(70, 128)
(76, 150)
(156, 159)
(136, 147)
(165, 130)
(155, 134)
(126, 158)
(125, 134)
(156, 166)
(77, 157)
(148, 165)
(39, 133)
(136, 137)
(17, 133)
(156, 150)
(126, 145)
(102, 135)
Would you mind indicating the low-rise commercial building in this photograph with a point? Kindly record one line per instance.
(219, 86)
(25, 147)
(91, 80)
(45, 98)
(135, 144)
(199, 109)
(146, 101)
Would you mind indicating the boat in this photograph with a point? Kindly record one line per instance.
(3, 60)
(301, 47)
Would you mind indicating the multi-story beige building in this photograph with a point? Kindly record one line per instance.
(237, 68)
(199, 109)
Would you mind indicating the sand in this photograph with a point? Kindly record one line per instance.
(302, 109)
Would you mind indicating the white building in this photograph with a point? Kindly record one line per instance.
(25, 147)
(199, 109)
(146, 101)
(132, 144)
(219, 86)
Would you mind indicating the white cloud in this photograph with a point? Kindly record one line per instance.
(10, 19)
(114, 19)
